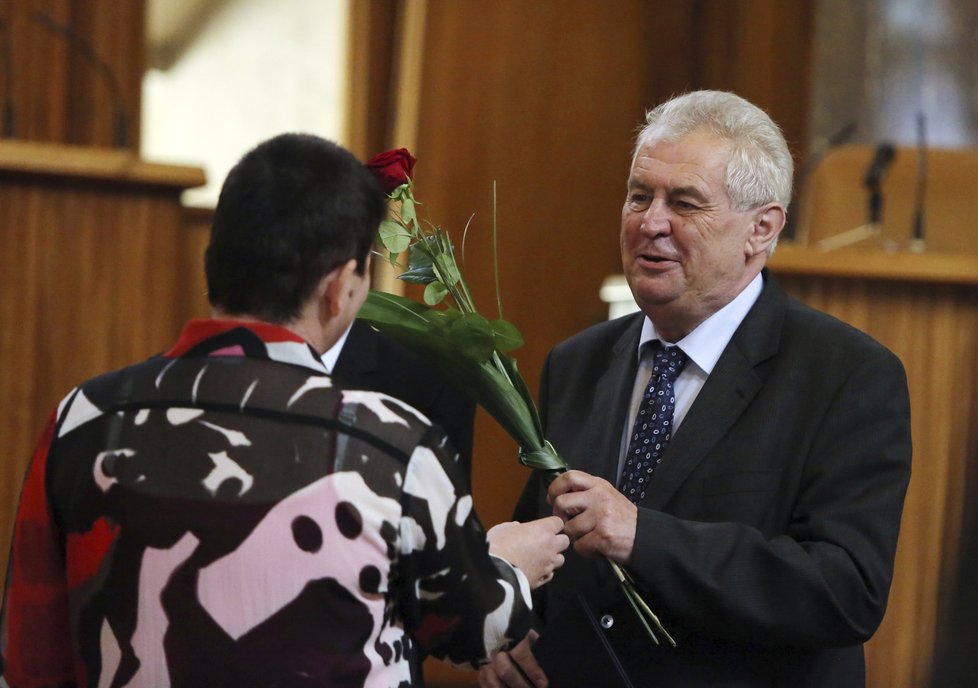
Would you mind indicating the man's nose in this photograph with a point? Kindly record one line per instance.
(656, 219)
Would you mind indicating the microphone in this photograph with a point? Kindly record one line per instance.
(80, 44)
(885, 152)
(9, 115)
(917, 238)
(819, 150)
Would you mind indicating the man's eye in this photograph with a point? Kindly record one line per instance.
(638, 201)
(685, 205)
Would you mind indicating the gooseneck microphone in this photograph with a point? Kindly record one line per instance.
(84, 48)
(885, 152)
(920, 190)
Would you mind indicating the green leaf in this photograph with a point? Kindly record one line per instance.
(394, 236)
(408, 214)
(472, 336)
(424, 330)
(420, 270)
(435, 293)
(447, 268)
(543, 458)
(505, 336)
(401, 192)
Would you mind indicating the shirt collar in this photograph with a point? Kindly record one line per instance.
(332, 354)
(704, 344)
(245, 338)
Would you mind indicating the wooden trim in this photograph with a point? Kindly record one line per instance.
(83, 162)
(409, 42)
(876, 264)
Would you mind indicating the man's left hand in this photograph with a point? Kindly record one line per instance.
(598, 518)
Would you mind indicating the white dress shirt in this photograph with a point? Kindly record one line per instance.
(702, 346)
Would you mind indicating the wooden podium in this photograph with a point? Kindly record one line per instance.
(924, 307)
(92, 270)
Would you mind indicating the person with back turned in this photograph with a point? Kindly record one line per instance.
(744, 456)
(224, 514)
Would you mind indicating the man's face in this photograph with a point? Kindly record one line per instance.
(684, 251)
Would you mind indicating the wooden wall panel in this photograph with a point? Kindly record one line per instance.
(761, 50)
(91, 278)
(56, 95)
(193, 283)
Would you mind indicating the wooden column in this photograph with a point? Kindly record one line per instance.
(91, 278)
(924, 307)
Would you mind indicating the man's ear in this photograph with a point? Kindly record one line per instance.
(334, 289)
(768, 222)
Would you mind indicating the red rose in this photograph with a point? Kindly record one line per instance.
(392, 169)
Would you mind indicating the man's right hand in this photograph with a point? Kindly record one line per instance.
(517, 668)
(533, 547)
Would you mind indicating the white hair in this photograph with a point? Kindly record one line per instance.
(760, 168)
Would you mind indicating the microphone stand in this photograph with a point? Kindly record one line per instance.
(885, 153)
(917, 239)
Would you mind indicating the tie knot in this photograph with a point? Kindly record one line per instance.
(668, 362)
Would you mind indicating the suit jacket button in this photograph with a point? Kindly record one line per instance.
(607, 621)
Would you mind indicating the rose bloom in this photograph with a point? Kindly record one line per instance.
(392, 168)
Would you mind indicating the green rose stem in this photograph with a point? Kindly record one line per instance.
(469, 349)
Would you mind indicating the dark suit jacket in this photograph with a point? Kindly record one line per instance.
(767, 538)
(373, 361)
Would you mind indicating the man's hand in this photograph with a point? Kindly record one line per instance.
(534, 547)
(517, 668)
(598, 518)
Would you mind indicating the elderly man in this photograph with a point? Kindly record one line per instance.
(224, 514)
(744, 456)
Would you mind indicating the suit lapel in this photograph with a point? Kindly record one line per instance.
(728, 391)
(358, 361)
(612, 393)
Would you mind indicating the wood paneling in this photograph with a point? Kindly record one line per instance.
(56, 94)
(193, 283)
(925, 309)
(90, 279)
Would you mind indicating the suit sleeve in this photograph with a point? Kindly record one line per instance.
(460, 603)
(455, 413)
(35, 640)
(825, 580)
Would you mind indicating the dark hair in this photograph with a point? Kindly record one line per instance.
(292, 209)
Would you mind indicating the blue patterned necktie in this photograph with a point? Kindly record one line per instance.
(653, 424)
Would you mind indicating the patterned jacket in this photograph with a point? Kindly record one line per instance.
(223, 515)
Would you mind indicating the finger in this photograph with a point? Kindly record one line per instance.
(554, 523)
(508, 672)
(488, 678)
(570, 505)
(571, 481)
